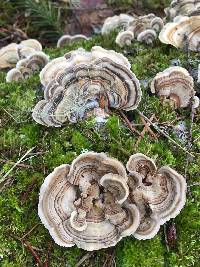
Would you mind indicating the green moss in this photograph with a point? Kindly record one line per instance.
(55, 146)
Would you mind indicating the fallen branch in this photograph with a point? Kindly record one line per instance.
(164, 134)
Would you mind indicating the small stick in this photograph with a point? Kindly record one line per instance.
(34, 253)
(131, 127)
(194, 184)
(13, 163)
(164, 134)
(145, 129)
(46, 263)
(10, 115)
(84, 258)
(16, 164)
(147, 126)
(165, 236)
(28, 233)
(190, 142)
(109, 259)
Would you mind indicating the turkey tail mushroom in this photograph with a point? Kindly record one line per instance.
(12, 53)
(143, 28)
(106, 77)
(183, 31)
(124, 38)
(27, 66)
(159, 194)
(182, 7)
(79, 204)
(114, 22)
(175, 85)
(66, 39)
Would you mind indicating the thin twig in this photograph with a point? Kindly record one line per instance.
(30, 231)
(10, 115)
(147, 126)
(145, 129)
(34, 253)
(84, 258)
(190, 142)
(16, 164)
(164, 134)
(194, 184)
(13, 163)
(46, 263)
(131, 127)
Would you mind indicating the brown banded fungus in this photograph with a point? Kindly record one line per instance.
(143, 28)
(176, 86)
(25, 67)
(66, 39)
(158, 194)
(114, 22)
(85, 204)
(182, 32)
(82, 82)
(182, 7)
(12, 53)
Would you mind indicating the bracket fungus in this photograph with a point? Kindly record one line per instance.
(114, 22)
(182, 32)
(82, 83)
(94, 203)
(66, 39)
(176, 86)
(143, 28)
(85, 203)
(27, 66)
(182, 7)
(12, 53)
(158, 194)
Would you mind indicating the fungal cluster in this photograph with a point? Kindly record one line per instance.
(183, 8)
(27, 57)
(183, 32)
(82, 84)
(25, 67)
(66, 39)
(12, 53)
(143, 29)
(94, 203)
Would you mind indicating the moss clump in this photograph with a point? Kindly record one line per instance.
(55, 146)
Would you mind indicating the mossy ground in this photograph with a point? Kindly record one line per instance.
(55, 146)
